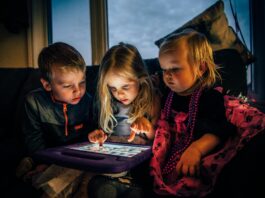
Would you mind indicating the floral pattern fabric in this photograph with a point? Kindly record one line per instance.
(249, 122)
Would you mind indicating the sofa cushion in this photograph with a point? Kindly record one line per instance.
(213, 23)
(91, 79)
(11, 82)
(232, 70)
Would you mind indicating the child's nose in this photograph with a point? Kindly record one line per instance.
(120, 93)
(76, 89)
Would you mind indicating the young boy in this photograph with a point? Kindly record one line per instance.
(59, 113)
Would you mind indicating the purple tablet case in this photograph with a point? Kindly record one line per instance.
(68, 156)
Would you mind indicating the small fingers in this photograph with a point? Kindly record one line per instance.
(147, 127)
(185, 170)
(102, 139)
(192, 171)
(132, 136)
(179, 168)
(142, 125)
(136, 130)
(135, 127)
(97, 136)
(92, 138)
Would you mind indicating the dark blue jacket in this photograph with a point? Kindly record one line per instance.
(48, 123)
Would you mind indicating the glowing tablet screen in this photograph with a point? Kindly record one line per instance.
(111, 149)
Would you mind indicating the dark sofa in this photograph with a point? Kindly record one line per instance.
(241, 178)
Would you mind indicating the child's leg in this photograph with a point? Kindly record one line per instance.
(58, 181)
(102, 186)
(142, 177)
(136, 183)
(82, 191)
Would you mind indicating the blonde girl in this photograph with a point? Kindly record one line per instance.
(193, 122)
(126, 99)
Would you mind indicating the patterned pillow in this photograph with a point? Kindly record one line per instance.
(213, 23)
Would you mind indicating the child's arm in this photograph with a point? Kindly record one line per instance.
(31, 126)
(189, 163)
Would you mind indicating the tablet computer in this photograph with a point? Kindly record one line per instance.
(109, 158)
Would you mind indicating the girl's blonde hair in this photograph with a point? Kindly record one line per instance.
(199, 52)
(126, 61)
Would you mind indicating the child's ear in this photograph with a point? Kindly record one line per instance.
(46, 85)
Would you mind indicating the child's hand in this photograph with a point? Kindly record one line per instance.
(139, 125)
(189, 163)
(97, 136)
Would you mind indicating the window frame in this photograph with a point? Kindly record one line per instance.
(99, 29)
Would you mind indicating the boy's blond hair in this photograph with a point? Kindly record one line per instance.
(60, 55)
(126, 61)
(199, 52)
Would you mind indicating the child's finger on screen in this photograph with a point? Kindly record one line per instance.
(102, 139)
(100, 142)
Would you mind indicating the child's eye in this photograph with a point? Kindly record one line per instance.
(67, 86)
(113, 89)
(174, 70)
(171, 71)
(126, 87)
(82, 82)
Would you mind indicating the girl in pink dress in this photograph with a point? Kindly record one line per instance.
(199, 130)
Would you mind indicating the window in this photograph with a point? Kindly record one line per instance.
(137, 22)
(143, 22)
(70, 23)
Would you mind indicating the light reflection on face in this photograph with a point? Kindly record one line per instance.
(178, 73)
(123, 89)
(68, 86)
